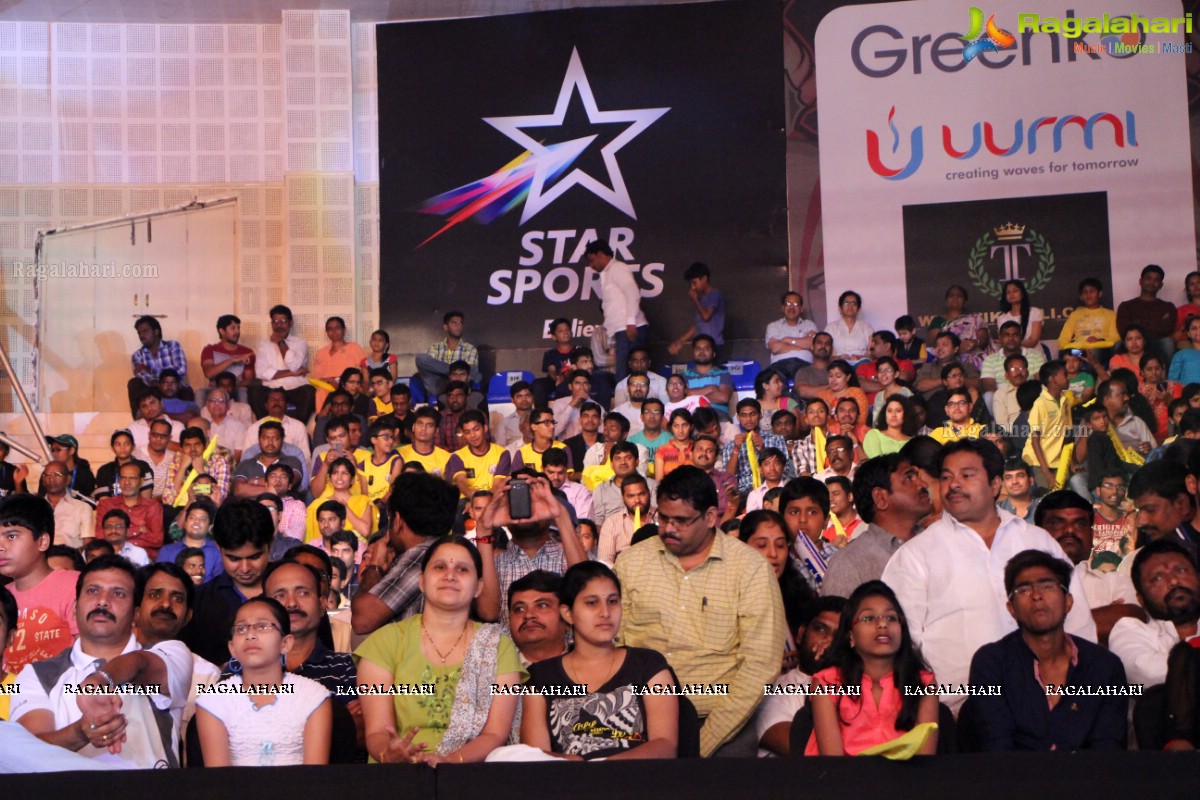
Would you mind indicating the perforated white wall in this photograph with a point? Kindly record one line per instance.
(101, 120)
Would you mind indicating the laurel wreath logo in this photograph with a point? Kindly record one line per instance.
(977, 270)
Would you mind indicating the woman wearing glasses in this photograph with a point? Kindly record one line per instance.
(263, 715)
(874, 662)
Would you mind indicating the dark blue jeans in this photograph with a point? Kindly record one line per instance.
(622, 345)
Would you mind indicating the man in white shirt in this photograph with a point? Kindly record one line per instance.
(638, 388)
(115, 527)
(228, 430)
(150, 408)
(789, 338)
(143, 727)
(813, 637)
(639, 364)
(74, 521)
(282, 363)
(1169, 588)
(514, 429)
(621, 299)
(950, 578)
(1068, 518)
(554, 465)
(294, 432)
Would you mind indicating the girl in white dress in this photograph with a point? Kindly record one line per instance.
(263, 715)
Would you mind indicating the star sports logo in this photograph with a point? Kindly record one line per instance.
(542, 173)
(982, 37)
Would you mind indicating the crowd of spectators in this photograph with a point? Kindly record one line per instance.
(944, 537)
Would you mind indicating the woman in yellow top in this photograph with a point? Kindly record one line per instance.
(360, 511)
(459, 660)
(8, 624)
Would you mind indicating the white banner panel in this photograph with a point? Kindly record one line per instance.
(1042, 156)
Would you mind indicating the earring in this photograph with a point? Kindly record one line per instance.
(283, 661)
(235, 666)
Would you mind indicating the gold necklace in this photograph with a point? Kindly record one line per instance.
(612, 670)
(457, 642)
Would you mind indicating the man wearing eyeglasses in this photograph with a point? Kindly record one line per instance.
(950, 578)
(959, 424)
(146, 516)
(1058, 692)
(541, 422)
(74, 520)
(790, 339)
(710, 605)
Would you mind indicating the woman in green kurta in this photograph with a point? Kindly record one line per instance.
(436, 670)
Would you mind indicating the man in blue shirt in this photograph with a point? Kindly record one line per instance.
(1055, 691)
(708, 379)
(709, 305)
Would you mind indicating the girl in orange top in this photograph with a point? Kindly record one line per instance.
(1135, 348)
(678, 451)
(872, 651)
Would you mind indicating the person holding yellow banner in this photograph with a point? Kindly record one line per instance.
(196, 456)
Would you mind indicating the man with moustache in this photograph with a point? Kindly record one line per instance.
(1045, 672)
(1164, 508)
(710, 605)
(813, 637)
(950, 579)
(616, 534)
(892, 499)
(166, 606)
(1169, 589)
(140, 730)
(297, 587)
(1068, 518)
(537, 629)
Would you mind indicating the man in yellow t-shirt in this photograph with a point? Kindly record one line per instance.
(423, 450)
(1090, 326)
(959, 424)
(481, 465)
(541, 423)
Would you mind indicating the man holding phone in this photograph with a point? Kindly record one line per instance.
(190, 458)
(531, 546)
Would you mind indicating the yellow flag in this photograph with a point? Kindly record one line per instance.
(906, 746)
(181, 497)
(752, 460)
(818, 437)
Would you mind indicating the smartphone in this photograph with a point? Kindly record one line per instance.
(1162, 387)
(520, 505)
(202, 488)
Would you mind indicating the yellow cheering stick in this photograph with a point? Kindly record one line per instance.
(752, 460)
(904, 747)
(637, 519)
(1064, 466)
(818, 437)
(320, 384)
(181, 497)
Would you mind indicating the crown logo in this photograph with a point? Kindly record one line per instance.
(1010, 232)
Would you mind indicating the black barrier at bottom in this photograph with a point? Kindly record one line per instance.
(1158, 776)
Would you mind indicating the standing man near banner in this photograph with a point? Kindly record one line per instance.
(621, 298)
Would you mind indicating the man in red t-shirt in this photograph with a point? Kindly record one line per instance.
(883, 343)
(229, 356)
(45, 597)
(1111, 523)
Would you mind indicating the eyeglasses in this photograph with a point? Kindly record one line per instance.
(259, 628)
(55, 474)
(1113, 487)
(791, 305)
(958, 402)
(871, 619)
(849, 302)
(543, 422)
(676, 522)
(1043, 586)
(115, 526)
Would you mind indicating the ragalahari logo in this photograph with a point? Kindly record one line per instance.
(982, 37)
(524, 180)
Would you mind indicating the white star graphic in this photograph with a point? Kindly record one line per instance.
(549, 158)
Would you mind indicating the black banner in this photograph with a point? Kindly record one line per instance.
(507, 143)
(1050, 242)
